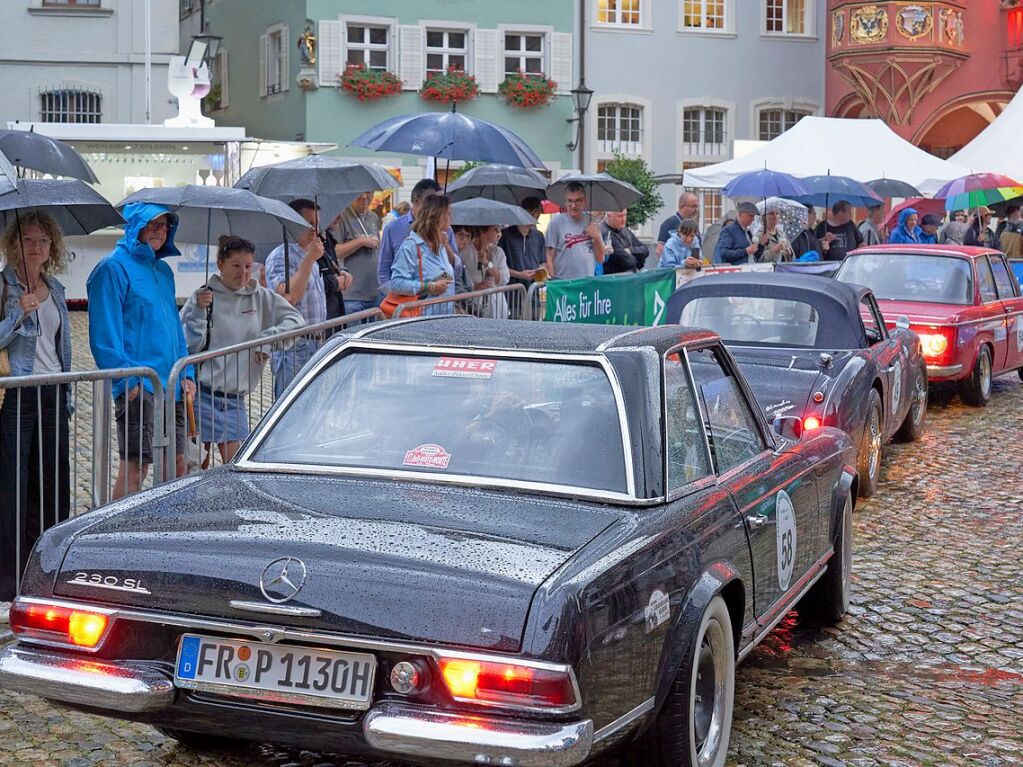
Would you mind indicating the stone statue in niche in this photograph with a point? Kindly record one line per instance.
(952, 26)
(307, 47)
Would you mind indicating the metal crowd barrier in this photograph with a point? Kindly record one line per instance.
(502, 303)
(536, 300)
(58, 463)
(236, 386)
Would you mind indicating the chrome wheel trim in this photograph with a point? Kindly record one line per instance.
(919, 402)
(846, 552)
(874, 447)
(985, 375)
(709, 696)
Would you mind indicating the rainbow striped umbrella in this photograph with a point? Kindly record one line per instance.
(978, 189)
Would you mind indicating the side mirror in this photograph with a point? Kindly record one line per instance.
(902, 323)
(788, 427)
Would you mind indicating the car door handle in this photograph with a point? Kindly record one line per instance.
(756, 520)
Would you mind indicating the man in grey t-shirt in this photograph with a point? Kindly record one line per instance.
(574, 244)
(358, 237)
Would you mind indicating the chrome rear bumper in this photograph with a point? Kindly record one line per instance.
(943, 371)
(411, 731)
(83, 681)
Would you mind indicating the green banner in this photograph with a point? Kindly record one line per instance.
(635, 299)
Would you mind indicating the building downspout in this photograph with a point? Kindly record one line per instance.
(582, 78)
(149, 62)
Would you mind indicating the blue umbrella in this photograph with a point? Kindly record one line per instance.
(823, 190)
(449, 136)
(765, 183)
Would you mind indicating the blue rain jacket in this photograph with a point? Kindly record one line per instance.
(133, 311)
(901, 235)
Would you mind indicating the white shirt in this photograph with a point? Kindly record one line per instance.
(48, 318)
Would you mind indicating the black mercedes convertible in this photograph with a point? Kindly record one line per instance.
(819, 350)
(463, 540)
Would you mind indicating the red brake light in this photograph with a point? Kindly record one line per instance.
(811, 422)
(57, 623)
(934, 344)
(506, 684)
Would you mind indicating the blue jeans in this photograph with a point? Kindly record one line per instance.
(352, 306)
(287, 364)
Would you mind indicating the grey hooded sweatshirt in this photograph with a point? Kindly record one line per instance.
(238, 315)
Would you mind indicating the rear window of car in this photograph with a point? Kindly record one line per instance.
(511, 419)
(911, 277)
(746, 320)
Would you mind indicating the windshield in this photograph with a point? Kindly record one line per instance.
(528, 420)
(747, 320)
(911, 277)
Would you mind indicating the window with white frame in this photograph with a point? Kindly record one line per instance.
(703, 130)
(524, 52)
(276, 60)
(705, 15)
(622, 13)
(446, 49)
(786, 17)
(70, 106)
(773, 122)
(620, 129)
(368, 44)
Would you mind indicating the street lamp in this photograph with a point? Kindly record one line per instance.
(581, 96)
(204, 48)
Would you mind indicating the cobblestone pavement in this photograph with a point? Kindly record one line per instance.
(927, 670)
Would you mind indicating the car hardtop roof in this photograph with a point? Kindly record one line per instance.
(473, 333)
(960, 251)
(775, 285)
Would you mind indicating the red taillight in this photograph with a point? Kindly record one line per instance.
(935, 343)
(57, 623)
(811, 422)
(506, 684)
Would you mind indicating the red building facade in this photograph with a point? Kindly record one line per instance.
(937, 72)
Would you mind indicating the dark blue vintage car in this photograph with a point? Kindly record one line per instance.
(819, 350)
(454, 539)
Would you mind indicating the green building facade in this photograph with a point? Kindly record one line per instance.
(262, 82)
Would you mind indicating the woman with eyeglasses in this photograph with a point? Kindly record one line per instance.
(35, 331)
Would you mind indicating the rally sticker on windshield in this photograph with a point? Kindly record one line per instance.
(785, 530)
(463, 367)
(428, 456)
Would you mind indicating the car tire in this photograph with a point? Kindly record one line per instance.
(868, 461)
(976, 390)
(913, 427)
(689, 731)
(198, 741)
(827, 601)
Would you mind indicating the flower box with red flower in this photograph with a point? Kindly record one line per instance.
(370, 84)
(454, 84)
(525, 91)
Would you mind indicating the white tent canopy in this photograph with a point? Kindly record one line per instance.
(997, 148)
(860, 149)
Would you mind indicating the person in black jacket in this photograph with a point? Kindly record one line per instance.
(627, 253)
(735, 243)
(979, 235)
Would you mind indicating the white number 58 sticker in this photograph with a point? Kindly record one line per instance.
(785, 530)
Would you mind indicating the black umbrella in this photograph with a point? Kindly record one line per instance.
(504, 183)
(603, 192)
(335, 181)
(203, 209)
(76, 207)
(889, 187)
(28, 149)
(481, 212)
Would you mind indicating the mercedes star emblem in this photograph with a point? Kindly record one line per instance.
(284, 577)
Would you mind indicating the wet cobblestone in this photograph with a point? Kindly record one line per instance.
(926, 671)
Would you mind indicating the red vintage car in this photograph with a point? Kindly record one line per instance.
(964, 303)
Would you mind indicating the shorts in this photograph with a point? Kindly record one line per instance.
(135, 427)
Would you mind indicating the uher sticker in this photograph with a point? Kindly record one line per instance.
(658, 610)
(785, 529)
(428, 457)
(464, 367)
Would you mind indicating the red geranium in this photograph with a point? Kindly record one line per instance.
(525, 90)
(452, 85)
(370, 84)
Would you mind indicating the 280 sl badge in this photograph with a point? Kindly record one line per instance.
(112, 582)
